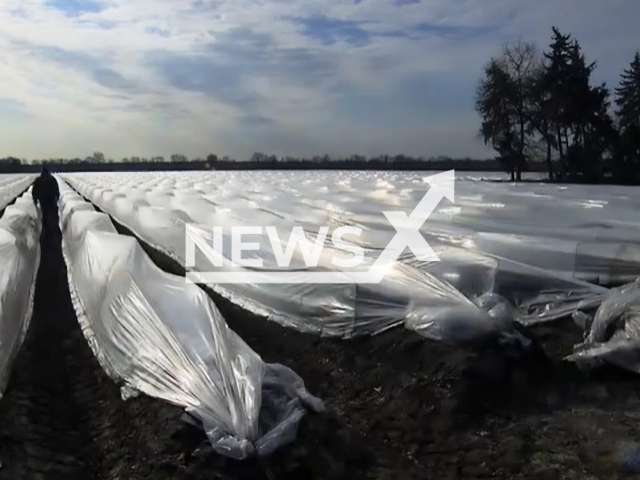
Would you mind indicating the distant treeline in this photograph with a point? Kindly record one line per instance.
(258, 161)
(101, 167)
(98, 163)
(542, 107)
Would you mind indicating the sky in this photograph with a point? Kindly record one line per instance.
(288, 77)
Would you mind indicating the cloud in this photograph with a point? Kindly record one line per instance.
(329, 31)
(257, 120)
(454, 32)
(155, 77)
(158, 31)
(113, 80)
(247, 70)
(83, 63)
(72, 59)
(202, 74)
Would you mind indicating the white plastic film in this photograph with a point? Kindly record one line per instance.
(613, 334)
(537, 246)
(165, 337)
(20, 258)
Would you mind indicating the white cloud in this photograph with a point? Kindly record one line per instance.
(255, 81)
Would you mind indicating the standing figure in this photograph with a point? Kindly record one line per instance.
(46, 191)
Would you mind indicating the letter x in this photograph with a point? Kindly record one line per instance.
(408, 227)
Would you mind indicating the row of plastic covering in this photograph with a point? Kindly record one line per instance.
(160, 335)
(12, 185)
(493, 240)
(19, 260)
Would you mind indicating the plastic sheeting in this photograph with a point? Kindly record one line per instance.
(613, 334)
(19, 258)
(533, 245)
(12, 185)
(165, 337)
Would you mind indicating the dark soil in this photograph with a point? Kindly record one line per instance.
(398, 407)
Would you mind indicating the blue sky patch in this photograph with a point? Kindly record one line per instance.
(106, 25)
(75, 8)
(12, 109)
(158, 31)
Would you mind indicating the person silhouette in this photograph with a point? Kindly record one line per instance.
(45, 190)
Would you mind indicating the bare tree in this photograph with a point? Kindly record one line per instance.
(521, 61)
(505, 100)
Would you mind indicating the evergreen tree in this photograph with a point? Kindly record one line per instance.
(577, 111)
(554, 84)
(493, 103)
(628, 93)
(542, 118)
(628, 102)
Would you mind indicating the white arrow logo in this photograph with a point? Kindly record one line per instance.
(407, 236)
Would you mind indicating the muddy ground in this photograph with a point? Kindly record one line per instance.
(399, 407)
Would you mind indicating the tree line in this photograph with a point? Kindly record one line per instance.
(99, 163)
(261, 161)
(97, 158)
(258, 161)
(541, 107)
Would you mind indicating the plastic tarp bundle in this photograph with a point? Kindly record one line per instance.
(19, 258)
(613, 334)
(536, 246)
(164, 337)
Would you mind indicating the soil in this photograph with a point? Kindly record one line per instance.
(398, 407)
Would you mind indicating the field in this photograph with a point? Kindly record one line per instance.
(399, 404)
